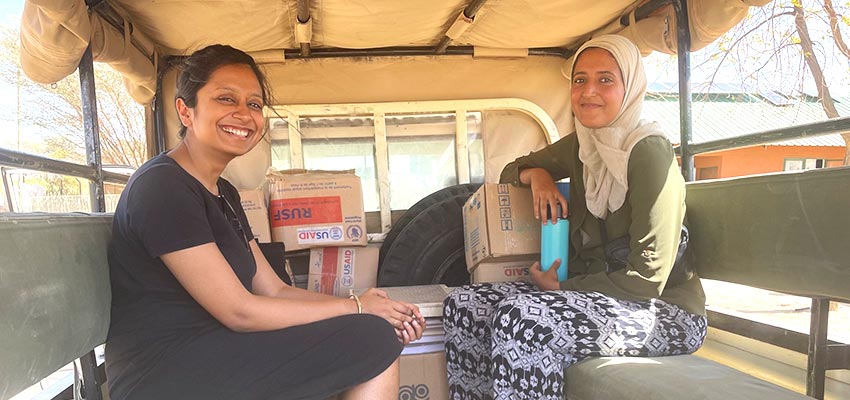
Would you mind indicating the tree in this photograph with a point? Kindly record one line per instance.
(56, 110)
(789, 39)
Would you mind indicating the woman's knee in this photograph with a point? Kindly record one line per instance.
(460, 295)
(520, 307)
(509, 311)
(371, 326)
(459, 302)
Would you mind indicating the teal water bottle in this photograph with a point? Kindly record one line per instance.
(554, 238)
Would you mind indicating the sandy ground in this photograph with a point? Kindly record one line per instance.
(778, 309)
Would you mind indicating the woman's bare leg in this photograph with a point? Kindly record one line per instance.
(382, 387)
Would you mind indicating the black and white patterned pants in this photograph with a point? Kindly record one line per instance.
(511, 341)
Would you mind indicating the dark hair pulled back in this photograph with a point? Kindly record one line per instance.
(197, 68)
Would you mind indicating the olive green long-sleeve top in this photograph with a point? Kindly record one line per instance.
(652, 215)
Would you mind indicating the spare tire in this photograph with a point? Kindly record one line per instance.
(429, 249)
(411, 213)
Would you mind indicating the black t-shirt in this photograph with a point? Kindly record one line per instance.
(164, 209)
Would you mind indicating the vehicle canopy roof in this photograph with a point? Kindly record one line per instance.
(131, 35)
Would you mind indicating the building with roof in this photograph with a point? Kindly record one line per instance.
(723, 111)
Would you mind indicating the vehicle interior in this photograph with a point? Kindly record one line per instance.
(461, 88)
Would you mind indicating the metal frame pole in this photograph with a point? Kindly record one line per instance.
(468, 12)
(90, 125)
(683, 39)
(91, 389)
(818, 353)
(303, 10)
(7, 189)
(159, 112)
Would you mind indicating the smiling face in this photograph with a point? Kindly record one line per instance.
(597, 89)
(228, 115)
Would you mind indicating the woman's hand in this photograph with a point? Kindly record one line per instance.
(547, 280)
(543, 192)
(411, 331)
(404, 317)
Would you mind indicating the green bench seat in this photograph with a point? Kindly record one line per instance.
(783, 232)
(676, 377)
(54, 293)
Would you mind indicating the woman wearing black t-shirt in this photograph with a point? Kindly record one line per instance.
(197, 311)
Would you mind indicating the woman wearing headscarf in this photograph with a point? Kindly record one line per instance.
(512, 340)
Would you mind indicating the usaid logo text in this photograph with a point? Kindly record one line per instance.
(522, 271)
(347, 278)
(325, 234)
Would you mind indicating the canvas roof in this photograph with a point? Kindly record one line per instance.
(129, 34)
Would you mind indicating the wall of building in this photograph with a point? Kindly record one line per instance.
(759, 160)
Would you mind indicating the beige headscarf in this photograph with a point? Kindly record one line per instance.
(605, 151)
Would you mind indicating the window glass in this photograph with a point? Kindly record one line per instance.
(340, 143)
(476, 147)
(112, 192)
(279, 136)
(421, 148)
(121, 121)
(799, 164)
(46, 120)
(33, 191)
(794, 165)
(812, 163)
(422, 160)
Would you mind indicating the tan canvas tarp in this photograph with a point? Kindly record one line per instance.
(708, 20)
(114, 48)
(180, 27)
(54, 34)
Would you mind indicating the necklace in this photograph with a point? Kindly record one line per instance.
(233, 217)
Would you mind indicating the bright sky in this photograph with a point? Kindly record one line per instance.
(10, 15)
(11, 8)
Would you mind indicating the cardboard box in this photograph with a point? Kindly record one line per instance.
(499, 225)
(254, 204)
(429, 298)
(316, 209)
(423, 377)
(504, 271)
(336, 270)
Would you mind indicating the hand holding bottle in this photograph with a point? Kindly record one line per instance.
(545, 280)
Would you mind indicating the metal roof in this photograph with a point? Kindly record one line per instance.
(723, 113)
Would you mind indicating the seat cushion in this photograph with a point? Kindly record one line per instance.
(658, 378)
(54, 293)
